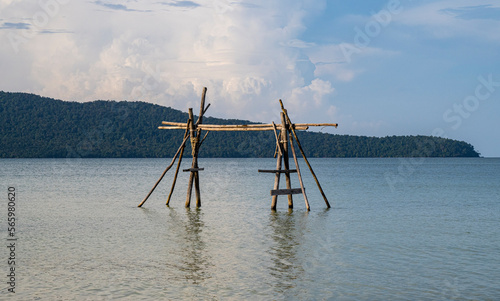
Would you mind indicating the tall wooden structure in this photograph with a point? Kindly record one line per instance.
(284, 145)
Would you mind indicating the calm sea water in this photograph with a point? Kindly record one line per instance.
(399, 229)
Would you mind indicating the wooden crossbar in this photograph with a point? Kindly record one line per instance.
(286, 191)
(193, 169)
(257, 125)
(229, 128)
(275, 171)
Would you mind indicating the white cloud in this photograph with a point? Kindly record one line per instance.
(442, 19)
(313, 95)
(335, 59)
(247, 55)
(332, 111)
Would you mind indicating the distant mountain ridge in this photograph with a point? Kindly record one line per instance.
(32, 126)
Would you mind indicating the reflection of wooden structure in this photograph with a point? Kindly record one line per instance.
(287, 134)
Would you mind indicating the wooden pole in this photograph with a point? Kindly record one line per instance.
(278, 145)
(303, 155)
(315, 124)
(206, 108)
(276, 186)
(204, 137)
(186, 134)
(164, 172)
(226, 129)
(179, 124)
(240, 129)
(196, 173)
(297, 126)
(202, 106)
(192, 135)
(197, 187)
(195, 144)
(243, 126)
(298, 172)
(284, 140)
(279, 154)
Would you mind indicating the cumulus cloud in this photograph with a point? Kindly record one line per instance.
(248, 56)
(313, 94)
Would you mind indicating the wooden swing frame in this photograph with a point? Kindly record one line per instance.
(284, 139)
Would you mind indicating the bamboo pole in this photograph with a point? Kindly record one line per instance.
(192, 135)
(206, 108)
(209, 127)
(278, 145)
(197, 188)
(284, 140)
(198, 143)
(296, 125)
(186, 134)
(164, 172)
(314, 124)
(204, 137)
(176, 127)
(234, 129)
(249, 127)
(276, 186)
(180, 124)
(304, 156)
(236, 125)
(202, 107)
(298, 172)
(279, 154)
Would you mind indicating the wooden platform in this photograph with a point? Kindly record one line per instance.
(280, 171)
(193, 169)
(286, 191)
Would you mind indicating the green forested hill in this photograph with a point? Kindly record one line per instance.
(36, 127)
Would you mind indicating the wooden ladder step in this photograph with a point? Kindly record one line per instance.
(280, 171)
(286, 191)
(193, 169)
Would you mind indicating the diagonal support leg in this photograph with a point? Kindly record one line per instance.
(164, 172)
(276, 182)
(186, 134)
(298, 172)
(284, 141)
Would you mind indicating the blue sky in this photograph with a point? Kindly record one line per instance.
(378, 68)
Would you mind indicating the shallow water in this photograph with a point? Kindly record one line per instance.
(400, 229)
